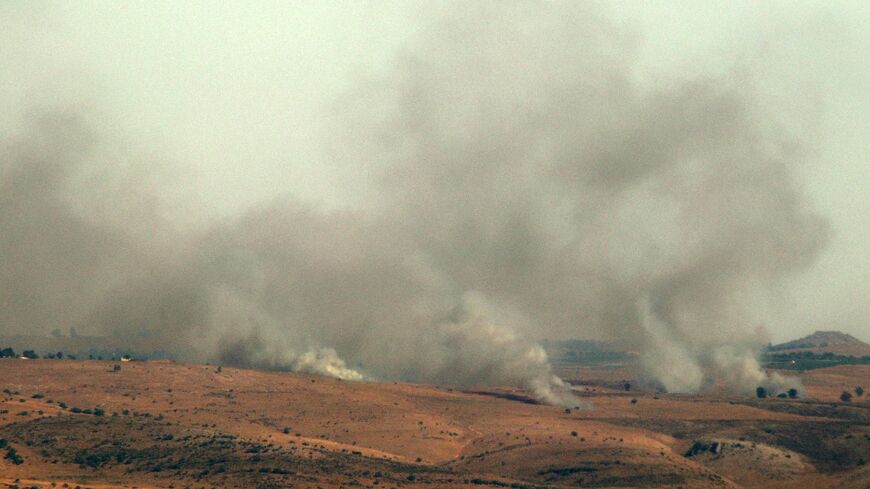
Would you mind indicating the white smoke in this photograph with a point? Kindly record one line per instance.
(513, 181)
(325, 362)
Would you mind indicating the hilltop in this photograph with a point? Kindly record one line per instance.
(825, 342)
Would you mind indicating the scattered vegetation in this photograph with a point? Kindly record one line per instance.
(807, 360)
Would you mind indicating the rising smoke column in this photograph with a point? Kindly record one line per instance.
(516, 181)
(530, 166)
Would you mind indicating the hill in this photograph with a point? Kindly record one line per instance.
(825, 342)
(162, 425)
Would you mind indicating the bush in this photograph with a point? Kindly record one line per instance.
(859, 391)
(845, 396)
(761, 392)
(792, 393)
(99, 411)
(30, 354)
(13, 456)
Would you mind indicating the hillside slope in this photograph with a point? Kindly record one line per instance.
(162, 425)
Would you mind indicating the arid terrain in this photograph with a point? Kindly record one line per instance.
(155, 424)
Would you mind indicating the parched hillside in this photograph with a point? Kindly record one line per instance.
(825, 342)
(166, 425)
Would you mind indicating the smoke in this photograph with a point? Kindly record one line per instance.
(513, 180)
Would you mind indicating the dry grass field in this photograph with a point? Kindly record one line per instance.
(167, 425)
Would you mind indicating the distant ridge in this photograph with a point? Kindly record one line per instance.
(826, 342)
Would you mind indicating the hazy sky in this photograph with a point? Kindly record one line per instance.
(243, 96)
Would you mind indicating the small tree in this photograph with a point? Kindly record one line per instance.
(859, 391)
(761, 392)
(13, 456)
(845, 396)
(792, 393)
(627, 387)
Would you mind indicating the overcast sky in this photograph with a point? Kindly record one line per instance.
(242, 94)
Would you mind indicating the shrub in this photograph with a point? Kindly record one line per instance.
(13, 456)
(99, 411)
(845, 396)
(792, 393)
(761, 392)
(859, 391)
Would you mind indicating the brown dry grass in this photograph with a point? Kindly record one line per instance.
(200, 428)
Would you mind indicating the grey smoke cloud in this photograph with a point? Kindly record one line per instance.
(517, 182)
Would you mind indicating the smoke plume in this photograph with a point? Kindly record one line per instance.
(513, 181)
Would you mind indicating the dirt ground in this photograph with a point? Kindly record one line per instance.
(167, 425)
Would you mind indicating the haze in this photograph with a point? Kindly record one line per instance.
(347, 179)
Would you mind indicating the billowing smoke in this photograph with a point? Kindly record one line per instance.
(514, 180)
